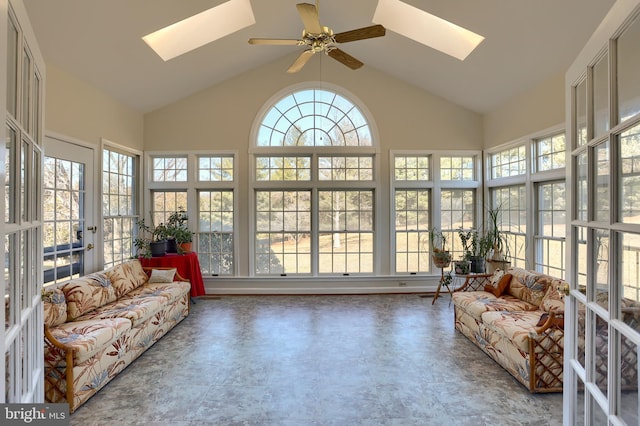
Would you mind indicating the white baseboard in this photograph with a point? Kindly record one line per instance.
(313, 285)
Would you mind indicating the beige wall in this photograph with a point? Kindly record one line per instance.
(221, 117)
(534, 110)
(78, 110)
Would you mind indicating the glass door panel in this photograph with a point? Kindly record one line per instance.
(581, 113)
(67, 210)
(629, 176)
(601, 96)
(628, 71)
(602, 184)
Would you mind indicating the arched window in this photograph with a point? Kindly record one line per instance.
(314, 117)
(314, 180)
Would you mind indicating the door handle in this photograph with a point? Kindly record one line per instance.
(89, 247)
(93, 229)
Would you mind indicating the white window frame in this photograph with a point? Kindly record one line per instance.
(530, 179)
(315, 184)
(191, 186)
(436, 185)
(137, 186)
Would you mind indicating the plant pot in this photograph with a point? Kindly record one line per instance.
(186, 247)
(172, 245)
(477, 265)
(493, 265)
(442, 259)
(462, 267)
(158, 248)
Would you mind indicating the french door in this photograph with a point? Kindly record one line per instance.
(602, 332)
(69, 228)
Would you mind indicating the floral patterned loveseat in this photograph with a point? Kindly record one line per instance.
(518, 321)
(96, 325)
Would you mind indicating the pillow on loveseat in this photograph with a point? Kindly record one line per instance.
(499, 283)
(162, 275)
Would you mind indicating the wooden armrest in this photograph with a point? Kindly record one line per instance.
(549, 323)
(55, 342)
(475, 279)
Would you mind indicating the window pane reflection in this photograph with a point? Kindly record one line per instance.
(629, 173)
(601, 96)
(628, 71)
(602, 189)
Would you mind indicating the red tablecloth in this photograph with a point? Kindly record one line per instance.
(186, 264)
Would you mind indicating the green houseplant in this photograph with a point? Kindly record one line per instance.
(178, 231)
(498, 253)
(151, 240)
(439, 253)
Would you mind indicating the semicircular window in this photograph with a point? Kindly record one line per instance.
(314, 117)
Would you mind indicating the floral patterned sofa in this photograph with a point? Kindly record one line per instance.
(516, 317)
(99, 323)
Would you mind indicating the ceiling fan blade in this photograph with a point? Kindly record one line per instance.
(302, 59)
(275, 41)
(310, 19)
(360, 34)
(345, 58)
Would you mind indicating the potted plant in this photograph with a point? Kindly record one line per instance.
(480, 246)
(151, 240)
(440, 254)
(463, 266)
(498, 253)
(178, 231)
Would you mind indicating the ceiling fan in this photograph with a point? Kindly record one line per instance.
(322, 39)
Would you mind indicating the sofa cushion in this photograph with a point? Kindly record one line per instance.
(171, 291)
(87, 293)
(514, 326)
(476, 303)
(127, 276)
(553, 299)
(518, 326)
(528, 285)
(89, 337)
(55, 306)
(137, 310)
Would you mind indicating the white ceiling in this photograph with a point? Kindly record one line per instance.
(526, 42)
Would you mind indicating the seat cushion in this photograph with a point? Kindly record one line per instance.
(170, 291)
(518, 326)
(88, 337)
(475, 303)
(136, 310)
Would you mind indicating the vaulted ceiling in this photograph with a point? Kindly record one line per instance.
(526, 42)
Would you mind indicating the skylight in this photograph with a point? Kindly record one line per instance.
(426, 28)
(201, 29)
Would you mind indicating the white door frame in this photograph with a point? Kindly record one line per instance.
(67, 148)
(585, 402)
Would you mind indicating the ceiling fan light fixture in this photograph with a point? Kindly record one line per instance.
(200, 29)
(426, 28)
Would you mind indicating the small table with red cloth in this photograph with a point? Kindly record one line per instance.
(186, 264)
